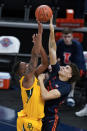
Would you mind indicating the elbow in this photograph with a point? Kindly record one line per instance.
(44, 97)
(45, 65)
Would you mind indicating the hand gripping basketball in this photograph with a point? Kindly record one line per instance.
(43, 13)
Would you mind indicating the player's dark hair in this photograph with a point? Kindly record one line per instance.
(75, 73)
(15, 71)
(67, 30)
(16, 67)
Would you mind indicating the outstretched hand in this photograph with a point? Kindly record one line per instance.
(37, 38)
(40, 28)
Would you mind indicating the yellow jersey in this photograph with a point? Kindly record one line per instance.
(33, 104)
(30, 118)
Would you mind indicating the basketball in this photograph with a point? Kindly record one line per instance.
(43, 13)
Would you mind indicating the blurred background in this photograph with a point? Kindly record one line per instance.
(17, 18)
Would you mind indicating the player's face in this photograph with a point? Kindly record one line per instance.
(65, 71)
(68, 38)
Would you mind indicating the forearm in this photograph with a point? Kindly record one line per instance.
(32, 64)
(52, 42)
(44, 57)
(44, 63)
(44, 91)
(52, 48)
(52, 35)
(48, 95)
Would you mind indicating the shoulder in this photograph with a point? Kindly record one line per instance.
(76, 42)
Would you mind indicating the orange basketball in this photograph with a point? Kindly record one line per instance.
(43, 13)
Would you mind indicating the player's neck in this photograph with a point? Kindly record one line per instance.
(31, 81)
(63, 78)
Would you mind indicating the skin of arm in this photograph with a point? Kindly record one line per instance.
(44, 58)
(44, 62)
(37, 50)
(52, 45)
(53, 94)
(31, 67)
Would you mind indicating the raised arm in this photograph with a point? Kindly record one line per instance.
(52, 45)
(31, 67)
(44, 58)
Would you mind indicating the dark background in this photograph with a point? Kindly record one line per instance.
(14, 10)
(25, 37)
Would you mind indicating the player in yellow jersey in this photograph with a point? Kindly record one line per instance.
(30, 118)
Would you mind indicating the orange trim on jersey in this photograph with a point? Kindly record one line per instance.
(55, 121)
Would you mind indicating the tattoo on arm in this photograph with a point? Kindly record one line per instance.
(51, 44)
(32, 64)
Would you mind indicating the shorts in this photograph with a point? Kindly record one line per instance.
(50, 124)
(26, 124)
